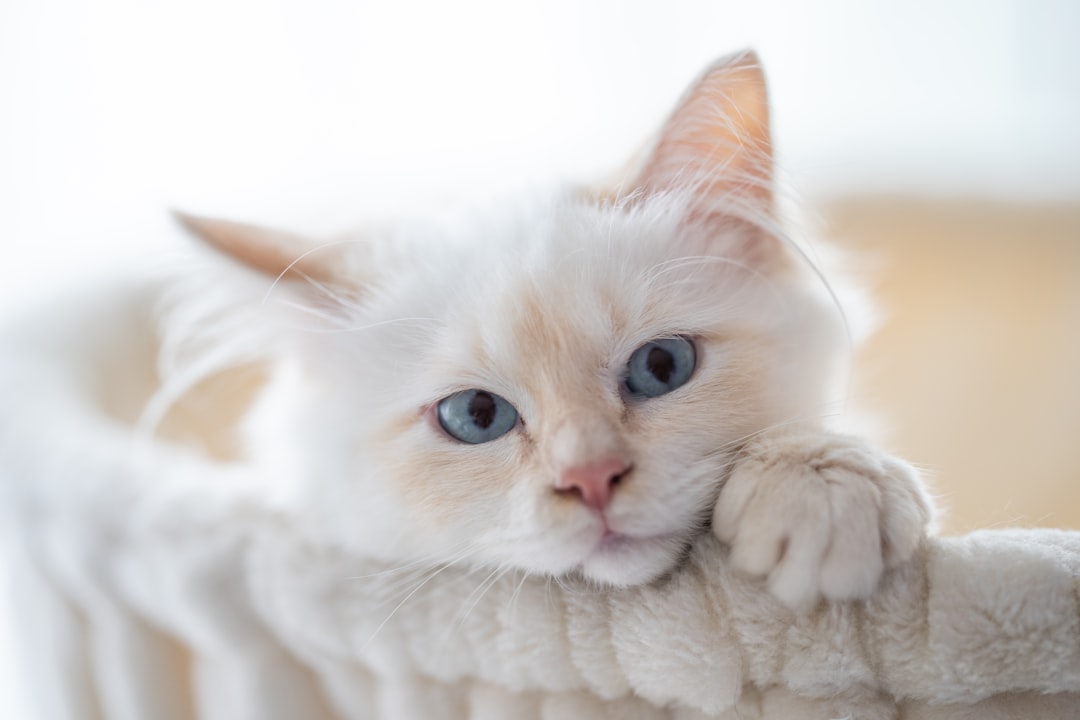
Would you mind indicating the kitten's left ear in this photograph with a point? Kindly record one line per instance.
(274, 253)
(716, 144)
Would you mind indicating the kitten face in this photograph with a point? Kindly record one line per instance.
(547, 314)
(545, 309)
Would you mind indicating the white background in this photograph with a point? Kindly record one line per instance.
(318, 114)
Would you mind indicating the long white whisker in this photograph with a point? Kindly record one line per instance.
(512, 605)
(289, 268)
(404, 600)
(423, 562)
(475, 597)
(398, 583)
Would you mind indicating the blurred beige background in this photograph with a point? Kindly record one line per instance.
(976, 369)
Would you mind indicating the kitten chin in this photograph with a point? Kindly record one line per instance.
(621, 561)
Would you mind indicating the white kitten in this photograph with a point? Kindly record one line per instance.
(569, 388)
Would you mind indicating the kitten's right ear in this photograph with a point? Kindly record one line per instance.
(272, 252)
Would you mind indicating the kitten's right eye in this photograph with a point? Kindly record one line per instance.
(476, 416)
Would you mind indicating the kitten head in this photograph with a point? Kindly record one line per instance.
(560, 388)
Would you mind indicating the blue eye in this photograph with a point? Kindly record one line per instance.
(660, 366)
(476, 416)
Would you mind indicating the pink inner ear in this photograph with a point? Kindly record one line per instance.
(717, 142)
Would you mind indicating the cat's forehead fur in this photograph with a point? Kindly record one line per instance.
(570, 285)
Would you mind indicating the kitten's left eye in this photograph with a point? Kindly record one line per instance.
(476, 416)
(660, 366)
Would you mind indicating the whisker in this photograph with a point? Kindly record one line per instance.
(512, 605)
(291, 266)
(430, 576)
(478, 593)
(399, 584)
(424, 562)
(485, 585)
(354, 328)
(404, 600)
(700, 261)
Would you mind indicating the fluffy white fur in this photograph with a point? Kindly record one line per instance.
(543, 304)
(479, 588)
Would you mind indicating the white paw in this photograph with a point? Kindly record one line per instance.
(819, 514)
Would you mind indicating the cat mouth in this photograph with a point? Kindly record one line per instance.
(619, 559)
(612, 541)
(617, 543)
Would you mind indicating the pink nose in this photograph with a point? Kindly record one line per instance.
(594, 482)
